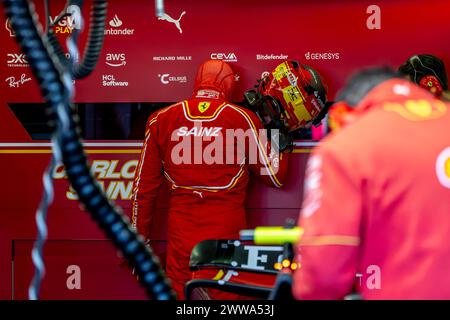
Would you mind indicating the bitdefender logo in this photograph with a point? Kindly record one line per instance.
(116, 59)
(227, 57)
(272, 56)
(116, 29)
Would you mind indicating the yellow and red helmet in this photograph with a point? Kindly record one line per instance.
(291, 96)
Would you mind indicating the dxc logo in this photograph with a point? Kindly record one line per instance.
(17, 60)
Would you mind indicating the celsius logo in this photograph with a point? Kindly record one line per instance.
(9, 27)
(168, 18)
(166, 78)
(115, 22)
(116, 59)
(17, 60)
(227, 57)
(115, 29)
(71, 20)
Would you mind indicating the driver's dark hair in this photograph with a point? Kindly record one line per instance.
(362, 82)
(419, 65)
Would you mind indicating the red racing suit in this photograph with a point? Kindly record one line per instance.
(183, 146)
(376, 211)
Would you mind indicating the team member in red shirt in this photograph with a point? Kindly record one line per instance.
(376, 211)
(188, 145)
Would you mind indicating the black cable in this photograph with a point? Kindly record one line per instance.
(95, 40)
(53, 84)
(37, 253)
(47, 15)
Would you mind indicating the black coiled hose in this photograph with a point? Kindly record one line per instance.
(50, 75)
(94, 43)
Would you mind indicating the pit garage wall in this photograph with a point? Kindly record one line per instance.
(331, 36)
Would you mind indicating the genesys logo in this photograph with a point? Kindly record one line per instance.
(14, 60)
(116, 28)
(109, 80)
(13, 82)
(69, 22)
(227, 57)
(272, 56)
(9, 28)
(116, 59)
(322, 56)
(167, 78)
(171, 58)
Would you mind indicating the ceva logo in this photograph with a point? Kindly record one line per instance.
(116, 59)
(227, 57)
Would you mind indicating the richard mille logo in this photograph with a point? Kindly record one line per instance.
(168, 18)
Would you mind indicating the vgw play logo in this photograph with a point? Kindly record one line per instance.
(68, 22)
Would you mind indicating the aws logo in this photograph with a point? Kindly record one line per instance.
(443, 167)
(116, 59)
(417, 110)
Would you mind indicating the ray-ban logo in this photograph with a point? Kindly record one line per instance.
(16, 83)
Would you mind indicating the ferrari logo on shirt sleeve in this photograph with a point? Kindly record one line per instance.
(203, 106)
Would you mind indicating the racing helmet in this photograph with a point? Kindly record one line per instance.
(215, 75)
(290, 97)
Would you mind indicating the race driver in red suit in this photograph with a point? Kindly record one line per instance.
(206, 194)
(376, 212)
